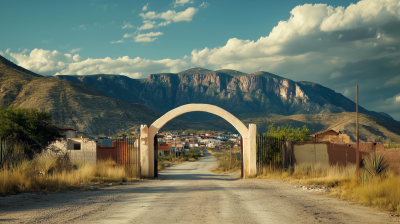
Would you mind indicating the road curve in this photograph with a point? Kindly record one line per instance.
(188, 193)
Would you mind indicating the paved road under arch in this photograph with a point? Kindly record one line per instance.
(188, 193)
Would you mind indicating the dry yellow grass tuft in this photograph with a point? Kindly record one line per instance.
(381, 192)
(44, 173)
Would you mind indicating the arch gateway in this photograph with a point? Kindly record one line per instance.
(147, 137)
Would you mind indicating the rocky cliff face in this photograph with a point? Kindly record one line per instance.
(231, 90)
(237, 94)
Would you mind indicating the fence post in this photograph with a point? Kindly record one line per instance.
(2, 150)
(283, 153)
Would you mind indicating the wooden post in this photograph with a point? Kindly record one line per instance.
(358, 150)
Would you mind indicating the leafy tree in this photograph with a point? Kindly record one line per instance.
(290, 134)
(28, 130)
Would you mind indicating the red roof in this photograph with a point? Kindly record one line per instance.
(322, 132)
(164, 147)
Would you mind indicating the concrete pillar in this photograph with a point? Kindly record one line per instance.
(144, 151)
(252, 162)
(150, 139)
(245, 157)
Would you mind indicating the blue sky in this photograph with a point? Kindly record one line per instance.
(337, 44)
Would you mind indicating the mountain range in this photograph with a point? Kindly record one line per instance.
(98, 103)
(231, 90)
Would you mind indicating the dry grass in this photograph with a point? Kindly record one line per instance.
(226, 163)
(381, 192)
(45, 173)
(392, 145)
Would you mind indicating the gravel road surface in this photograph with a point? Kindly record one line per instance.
(188, 193)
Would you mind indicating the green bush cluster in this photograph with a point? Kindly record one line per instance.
(27, 131)
(290, 133)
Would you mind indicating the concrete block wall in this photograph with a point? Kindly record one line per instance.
(86, 154)
(342, 153)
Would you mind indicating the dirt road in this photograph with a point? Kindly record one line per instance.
(188, 193)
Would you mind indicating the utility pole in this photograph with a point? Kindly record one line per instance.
(176, 148)
(358, 149)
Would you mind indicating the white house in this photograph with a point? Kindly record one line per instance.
(68, 132)
(78, 149)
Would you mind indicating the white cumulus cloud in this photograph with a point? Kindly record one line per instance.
(43, 61)
(204, 5)
(181, 2)
(46, 62)
(393, 82)
(366, 13)
(117, 42)
(74, 50)
(164, 23)
(145, 7)
(186, 15)
(82, 27)
(127, 35)
(127, 25)
(147, 37)
(294, 42)
(147, 25)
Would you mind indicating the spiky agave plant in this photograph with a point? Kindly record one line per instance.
(376, 165)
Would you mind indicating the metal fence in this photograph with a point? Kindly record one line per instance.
(124, 151)
(269, 152)
(127, 151)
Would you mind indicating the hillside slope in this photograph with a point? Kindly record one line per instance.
(73, 104)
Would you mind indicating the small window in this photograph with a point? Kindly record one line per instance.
(77, 146)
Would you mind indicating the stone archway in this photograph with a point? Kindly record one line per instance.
(148, 133)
